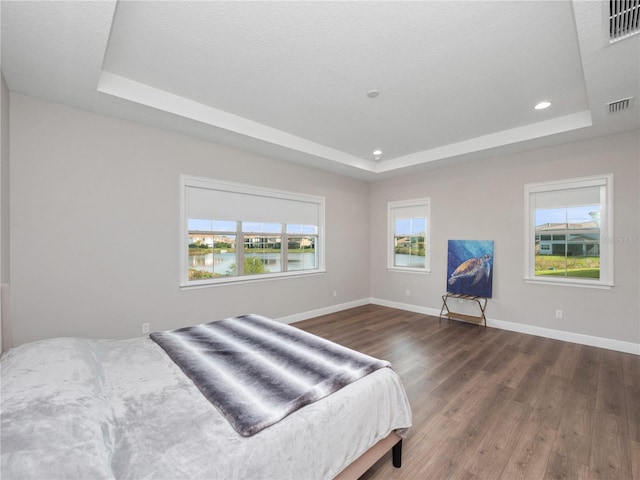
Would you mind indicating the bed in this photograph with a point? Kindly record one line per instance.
(83, 408)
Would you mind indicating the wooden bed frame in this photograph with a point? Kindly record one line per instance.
(371, 456)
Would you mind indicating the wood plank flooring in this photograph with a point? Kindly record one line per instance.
(497, 404)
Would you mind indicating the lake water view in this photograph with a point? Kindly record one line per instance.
(221, 263)
(404, 260)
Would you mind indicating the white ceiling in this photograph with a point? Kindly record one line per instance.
(457, 79)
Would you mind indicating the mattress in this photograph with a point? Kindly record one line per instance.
(80, 408)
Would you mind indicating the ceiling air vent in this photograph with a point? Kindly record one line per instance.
(619, 105)
(624, 19)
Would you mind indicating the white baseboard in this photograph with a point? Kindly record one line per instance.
(298, 317)
(405, 306)
(608, 343)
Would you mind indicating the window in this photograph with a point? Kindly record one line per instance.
(568, 232)
(233, 232)
(408, 248)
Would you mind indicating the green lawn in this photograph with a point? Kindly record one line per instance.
(580, 273)
(580, 267)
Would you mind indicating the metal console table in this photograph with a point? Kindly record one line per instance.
(449, 314)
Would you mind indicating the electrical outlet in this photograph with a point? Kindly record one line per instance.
(408, 292)
(335, 293)
(558, 313)
(145, 328)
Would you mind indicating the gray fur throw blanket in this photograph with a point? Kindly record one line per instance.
(256, 371)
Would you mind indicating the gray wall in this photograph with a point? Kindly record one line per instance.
(95, 209)
(485, 200)
(95, 212)
(5, 324)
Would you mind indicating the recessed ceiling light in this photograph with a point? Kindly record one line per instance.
(373, 93)
(377, 153)
(542, 105)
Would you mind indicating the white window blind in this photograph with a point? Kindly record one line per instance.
(574, 197)
(220, 201)
(403, 212)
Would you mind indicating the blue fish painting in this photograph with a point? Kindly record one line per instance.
(470, 267)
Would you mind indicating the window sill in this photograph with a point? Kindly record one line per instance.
(409, 270)
(570, 283)
(218, 282)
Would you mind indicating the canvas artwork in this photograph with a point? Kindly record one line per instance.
(470, 267)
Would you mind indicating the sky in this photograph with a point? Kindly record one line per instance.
(568, 215)
(411, 226)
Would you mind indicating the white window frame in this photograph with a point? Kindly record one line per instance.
(187, 181)
(424, 204)
(605, 182)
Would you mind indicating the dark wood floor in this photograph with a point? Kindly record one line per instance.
(498, 404)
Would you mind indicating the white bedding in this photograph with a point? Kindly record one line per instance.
(78, 408)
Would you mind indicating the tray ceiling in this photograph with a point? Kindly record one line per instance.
(454, 80)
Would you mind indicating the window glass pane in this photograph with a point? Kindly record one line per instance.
(224, 226)
(418, 226)
(301, 253)
(550, 216)
(211, 256)
(224, 255)
(262, 254)
(200, 256)
(409, 242)
(572, 246)
(410, 226)
(200, 224)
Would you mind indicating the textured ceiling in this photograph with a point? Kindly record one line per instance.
(457, 80)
